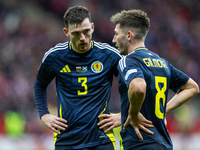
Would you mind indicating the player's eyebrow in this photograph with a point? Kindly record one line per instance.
(80, 31)
(74, 32)
(115, 32)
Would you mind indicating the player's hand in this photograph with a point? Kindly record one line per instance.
(54, 123)
(165, 121)
(109, 121)
(139, 122)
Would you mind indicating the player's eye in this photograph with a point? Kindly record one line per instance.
(75, 33)
(86, 31)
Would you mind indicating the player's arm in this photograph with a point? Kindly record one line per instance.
(109, 120)
(52, 122)
(44, 77)
(136, 95)
(40, 97)
(188, 91)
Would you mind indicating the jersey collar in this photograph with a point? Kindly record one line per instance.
(139, 48)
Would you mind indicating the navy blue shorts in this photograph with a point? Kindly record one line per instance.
(107, 146)
(151, 146)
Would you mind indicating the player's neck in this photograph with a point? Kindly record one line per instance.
(132, 47)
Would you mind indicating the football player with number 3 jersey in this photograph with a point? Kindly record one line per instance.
(83, 70)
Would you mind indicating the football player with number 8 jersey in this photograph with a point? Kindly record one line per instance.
(144, 81)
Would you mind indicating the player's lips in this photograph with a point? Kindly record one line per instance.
(83, 44)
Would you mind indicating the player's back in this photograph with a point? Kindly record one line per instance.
(157, 75)
(156, 72)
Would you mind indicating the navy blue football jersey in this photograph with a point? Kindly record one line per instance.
(160, 76)
(83, 84)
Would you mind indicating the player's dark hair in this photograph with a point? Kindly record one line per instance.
(75, 15)
(134, 19)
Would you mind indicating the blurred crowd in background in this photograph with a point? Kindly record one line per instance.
(29, 28)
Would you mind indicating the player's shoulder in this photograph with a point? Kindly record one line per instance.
(122, 63)
(127, 60)
(57, 49)
(106, 48)
(102, 45)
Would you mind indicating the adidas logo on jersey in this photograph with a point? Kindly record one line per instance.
(65, 69)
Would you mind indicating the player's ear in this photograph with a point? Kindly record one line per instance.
(92, 27)
(66, 32)
(130, 35)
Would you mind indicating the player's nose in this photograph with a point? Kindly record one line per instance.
(114, 40)
(82, 36)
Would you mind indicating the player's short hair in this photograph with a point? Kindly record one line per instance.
(135, 19)
(75, 15)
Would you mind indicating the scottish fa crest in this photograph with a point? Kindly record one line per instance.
(97, 66)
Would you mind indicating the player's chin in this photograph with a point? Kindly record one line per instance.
(83, 49)
(118, 48)
(120, 51)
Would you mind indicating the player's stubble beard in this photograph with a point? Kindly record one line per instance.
(86, 44)
(122, 46)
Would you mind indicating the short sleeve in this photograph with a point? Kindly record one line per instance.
(129, 69)
(178, 79)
